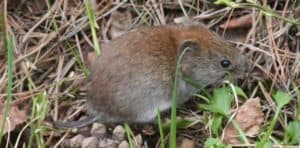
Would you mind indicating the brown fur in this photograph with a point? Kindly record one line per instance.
(134, 74)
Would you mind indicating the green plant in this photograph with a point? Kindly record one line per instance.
(174, 102)
(77, 58)
(297, 89)
(130, 135)
(281, 100)
(9, 45)
(93, 25)
(214, 143)
(251, 4)
(292, 134)
(220, 104)
(161, 132)
(38, 114)
(216, 124)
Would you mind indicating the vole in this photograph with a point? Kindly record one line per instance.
(135, 73)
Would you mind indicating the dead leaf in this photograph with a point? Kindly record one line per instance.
(15, 117)
(240, 22)
(120, 23)
(249, 117)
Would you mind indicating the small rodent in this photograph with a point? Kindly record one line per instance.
(134, 74)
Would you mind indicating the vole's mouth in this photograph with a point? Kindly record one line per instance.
(221, 79)
(218, 81)
(231, 77)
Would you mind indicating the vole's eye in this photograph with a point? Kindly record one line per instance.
(225, 63)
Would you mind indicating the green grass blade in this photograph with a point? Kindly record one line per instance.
(174, 103)
(269, 131)
(265, 10)
(161, 132)
(38, 114)
(77, 58)
(10, 57)
(240, 131)
(281, 99)
(93, 25)
(129, 135)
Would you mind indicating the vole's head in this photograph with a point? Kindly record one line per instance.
(208, 58)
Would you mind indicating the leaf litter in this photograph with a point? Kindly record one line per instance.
(42, 30)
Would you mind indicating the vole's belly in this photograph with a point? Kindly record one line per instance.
(145, 112)
(132, 100)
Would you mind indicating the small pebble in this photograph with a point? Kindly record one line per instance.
(107, 143)
(123, 144)
(138, 139)
(119, 133)
(89, 142)
(98, 130)
(76, 141)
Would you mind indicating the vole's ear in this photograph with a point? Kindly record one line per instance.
(190, 44)
(187, 48)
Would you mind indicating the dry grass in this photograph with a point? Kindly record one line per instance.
(47, 35)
